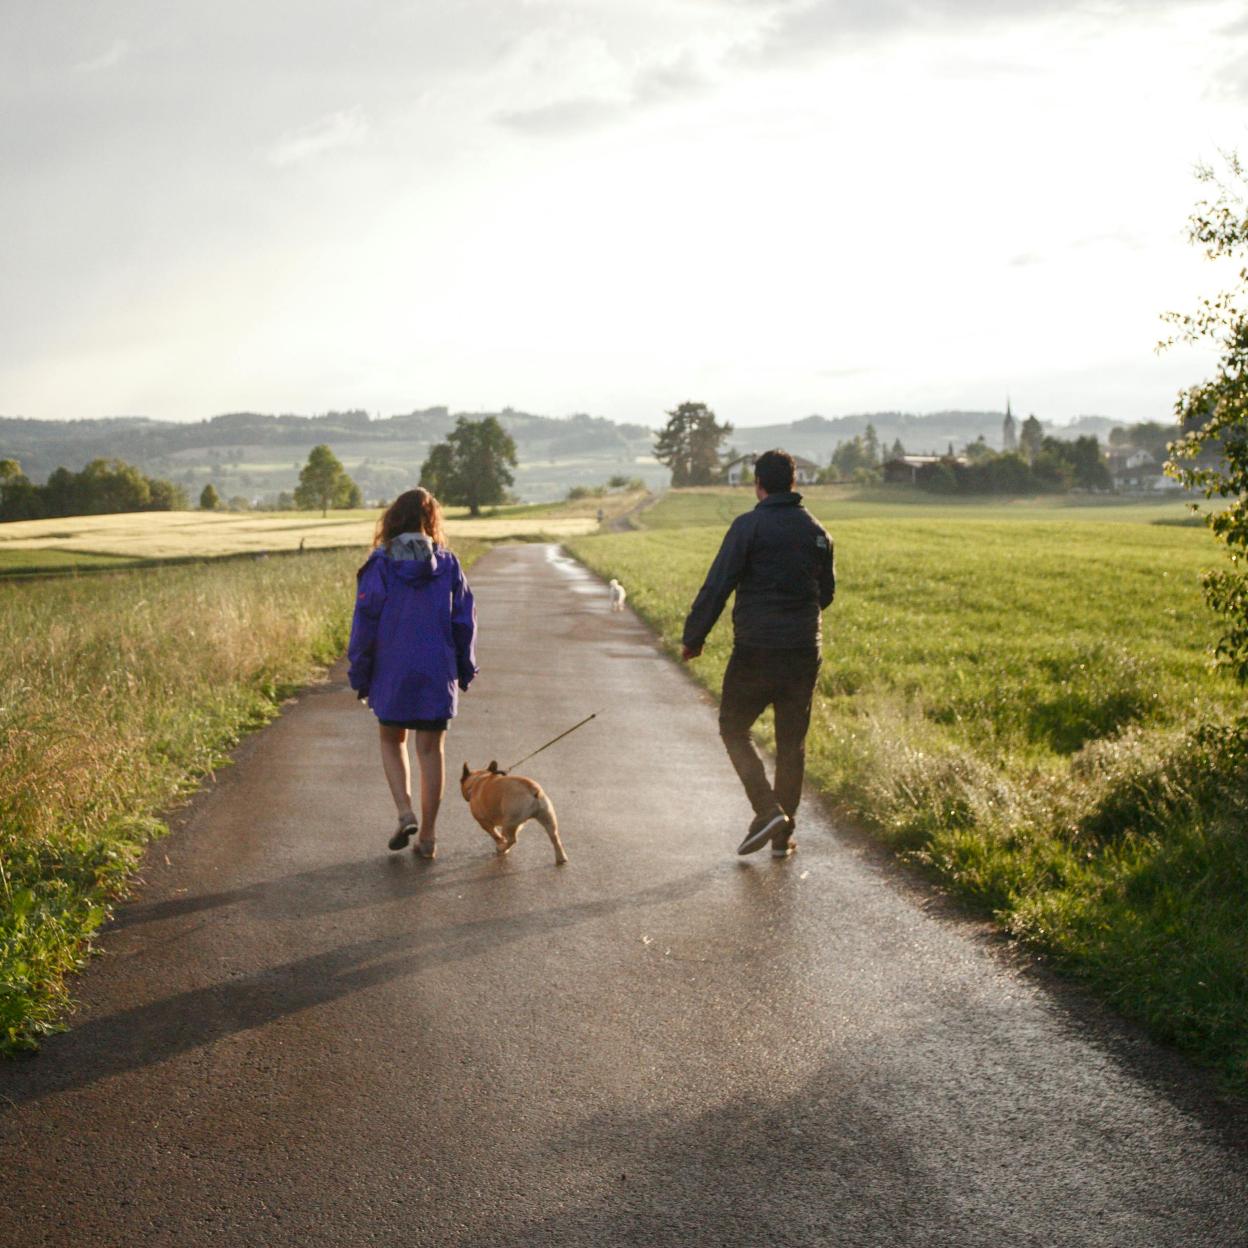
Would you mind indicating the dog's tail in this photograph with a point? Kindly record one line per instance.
(545, 815)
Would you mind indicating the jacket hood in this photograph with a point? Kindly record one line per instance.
(414, 558)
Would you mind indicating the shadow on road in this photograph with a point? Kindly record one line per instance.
(146, 1035)
(332, 889)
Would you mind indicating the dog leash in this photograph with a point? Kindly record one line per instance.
(551, 742)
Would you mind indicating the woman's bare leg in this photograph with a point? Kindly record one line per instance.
(398, 769)
(431, 759)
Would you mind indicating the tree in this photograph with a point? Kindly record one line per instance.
(349, 494)
(166, 495)
(978, 450)
(106, 486)
(1030, 438)
(849, 457)
(322, 481)
(209, 499)
(1084, 457)
(689, 444)
(472, 468)
(1211, 453)
(19, 499)
(871, 444)
(898, 451)
(438, 472)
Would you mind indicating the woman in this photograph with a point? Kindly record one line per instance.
(412, 648)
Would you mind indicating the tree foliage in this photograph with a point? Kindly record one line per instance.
(209, 499)
(472, 468)
(1211, 453)
(1057, 465)
(323, 482)
(102, 487)
(1030, 437)
(689, 444)
(853, 457)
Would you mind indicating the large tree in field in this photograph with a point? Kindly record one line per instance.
(689, 444)
(323, 482)
(1211, 453)
(472, 468)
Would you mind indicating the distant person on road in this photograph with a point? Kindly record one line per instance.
(413, 647)
(779, 560)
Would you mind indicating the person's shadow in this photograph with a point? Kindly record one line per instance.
(147, 1034)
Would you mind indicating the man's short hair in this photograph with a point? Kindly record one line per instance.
(775, 471)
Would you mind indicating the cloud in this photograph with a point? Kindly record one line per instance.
(794, 29)
(670, 79)
(113, 55)
(1121, 237)
(660, 82)
(563, 116)
(346, 128)
(1026, 258)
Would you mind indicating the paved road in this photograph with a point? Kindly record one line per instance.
(297, 1038)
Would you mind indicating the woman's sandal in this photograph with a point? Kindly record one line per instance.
(406, 830)
(426, 849)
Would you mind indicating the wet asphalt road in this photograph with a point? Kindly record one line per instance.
(294, 1037)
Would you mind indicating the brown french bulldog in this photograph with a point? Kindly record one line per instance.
(501, 804)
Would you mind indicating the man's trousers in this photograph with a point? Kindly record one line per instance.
(756, 679)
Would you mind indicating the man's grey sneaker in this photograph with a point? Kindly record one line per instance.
(405, 832)
(764, 827)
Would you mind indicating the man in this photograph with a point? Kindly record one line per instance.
(778, 559)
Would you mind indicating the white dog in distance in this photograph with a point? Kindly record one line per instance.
(618, 594)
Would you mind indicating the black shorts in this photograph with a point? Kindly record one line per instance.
(419, 725)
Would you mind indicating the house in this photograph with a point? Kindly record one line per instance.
(740, 471)
(1134, 471)
(904, 469)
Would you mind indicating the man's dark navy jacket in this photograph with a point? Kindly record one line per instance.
(778, 558)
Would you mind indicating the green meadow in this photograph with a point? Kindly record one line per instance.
(1018, 697)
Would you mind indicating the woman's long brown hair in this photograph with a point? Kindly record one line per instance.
(414, 511)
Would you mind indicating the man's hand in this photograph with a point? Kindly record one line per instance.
(690, 652)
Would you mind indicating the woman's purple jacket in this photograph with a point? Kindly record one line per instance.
(413, 637)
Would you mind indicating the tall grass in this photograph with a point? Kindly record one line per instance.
(1026, 708)
(117, 693)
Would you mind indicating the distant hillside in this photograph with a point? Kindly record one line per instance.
(258, 456)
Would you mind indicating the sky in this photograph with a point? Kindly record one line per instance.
(776, 207)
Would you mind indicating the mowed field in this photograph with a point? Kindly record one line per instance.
(1018, 696)
(91, 542)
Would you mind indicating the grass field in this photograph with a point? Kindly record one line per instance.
(694, 508)
(88, 542)
(116, 694)
(1019, 698)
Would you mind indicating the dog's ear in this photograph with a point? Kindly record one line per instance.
(466, 773)
(494, 766)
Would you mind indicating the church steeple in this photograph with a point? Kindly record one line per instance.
(1009, 431)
